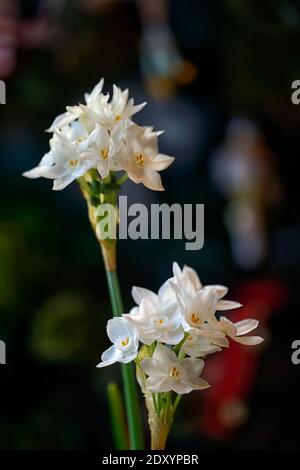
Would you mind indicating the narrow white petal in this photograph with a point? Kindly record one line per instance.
(110, 356)
(34, 173)
(245, 326)
(227, 305)
(248, 340)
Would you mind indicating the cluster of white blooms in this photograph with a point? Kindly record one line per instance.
(180, 320)
(101, 135)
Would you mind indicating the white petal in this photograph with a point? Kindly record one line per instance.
(245, 326)
(164, 355)
(151, 367)
(191, 275)
(63, 120)
(63, 182)
(56, 171)
(248, 340)
(181, 388)
(158, 384)
(166, 292)
(118, 328)
(192, 367)
(177, 271)
(152, 180)
(221, 290)
(138, 293)
(130, 355)
(173, 337)
(227, 305)
(199, 384)
(222, 342)
(161, 162)
(110, 356)
(34, 173)
(199, 347)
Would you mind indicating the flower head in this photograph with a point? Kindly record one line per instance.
(156, 320)
(123, 335)
(67, 160)
(166, 372)
(140, 157)
(100, 134)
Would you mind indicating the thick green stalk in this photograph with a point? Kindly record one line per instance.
(118, 424)
(129, 381)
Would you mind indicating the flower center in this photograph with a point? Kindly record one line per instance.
(139, 158)
(124, 342)
(195, 319)
(175, 373)
(118, 117)
(73, 162)
(159, 322)
(104, 153)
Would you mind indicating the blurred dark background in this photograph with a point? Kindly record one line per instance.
(217, 77)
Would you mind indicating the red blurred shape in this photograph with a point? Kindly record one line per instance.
(232, 372)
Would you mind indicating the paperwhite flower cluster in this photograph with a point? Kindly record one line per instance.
(101, 135)
(177, 322)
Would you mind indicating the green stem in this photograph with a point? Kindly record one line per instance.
(129, 382)
(122, 179)
(118, 424)
(176, 403)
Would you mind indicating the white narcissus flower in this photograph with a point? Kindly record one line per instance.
(198, 312)
(103, 148)
(123, 335)
(155, 320)
(100, 134)
(236, 331)
(199, 346)
(109, 114)
(66, 161)
(188, 280)
(140, 157)
(165, 372)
